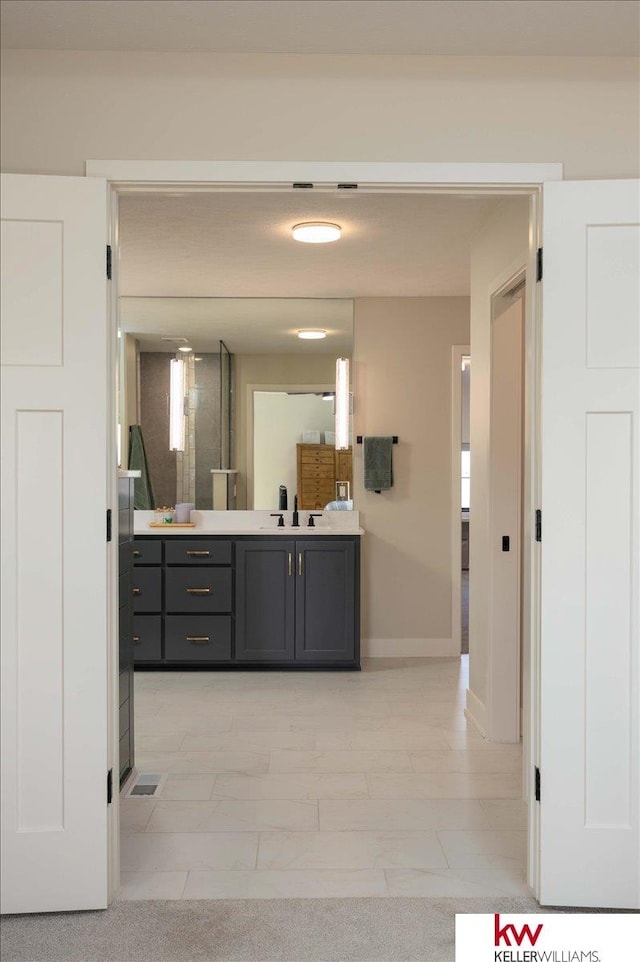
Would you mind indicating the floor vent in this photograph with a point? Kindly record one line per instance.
(147, 785)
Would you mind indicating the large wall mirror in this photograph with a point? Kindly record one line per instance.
(259, 401)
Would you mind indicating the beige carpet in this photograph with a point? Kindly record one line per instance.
(302, 930)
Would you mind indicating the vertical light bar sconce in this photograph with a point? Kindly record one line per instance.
(176, 405)
(342, 404)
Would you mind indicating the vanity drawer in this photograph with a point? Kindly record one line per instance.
(147, 589)
(147, 638)
(147, 552)
(198, 552)
(197, 638)
(198, 590)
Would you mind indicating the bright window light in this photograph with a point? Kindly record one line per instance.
(342, 404)
(176, 405)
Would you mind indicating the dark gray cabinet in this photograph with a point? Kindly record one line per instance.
(207, 602)
(125, 623)
(265, 595)
(326, 600)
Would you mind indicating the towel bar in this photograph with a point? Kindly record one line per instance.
(359, 439)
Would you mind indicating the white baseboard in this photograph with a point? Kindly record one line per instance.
(476, 712)
(409, 648)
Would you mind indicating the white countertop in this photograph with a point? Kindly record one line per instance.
(256, 523)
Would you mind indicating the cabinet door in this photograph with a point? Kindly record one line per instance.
(326, 601)
(265, 597)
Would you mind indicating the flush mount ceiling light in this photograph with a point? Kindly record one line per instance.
(185, 349)
(312, 335)
(316, 232)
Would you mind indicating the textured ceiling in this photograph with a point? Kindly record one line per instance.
(246, 325)
(240, 245)
(435, 27)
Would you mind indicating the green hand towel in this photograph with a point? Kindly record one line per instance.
(143, 498)
(378, 464)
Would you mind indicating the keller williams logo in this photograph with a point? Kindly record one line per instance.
(518, 937)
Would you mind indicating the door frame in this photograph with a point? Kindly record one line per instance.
(504, 700)
(124, 176)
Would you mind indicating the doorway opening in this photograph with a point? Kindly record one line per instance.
(154, 824)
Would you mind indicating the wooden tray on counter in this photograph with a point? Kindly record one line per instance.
(172, 524)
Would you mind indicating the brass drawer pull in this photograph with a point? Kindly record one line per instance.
(198, 591)
(290, 563)
(299, 562)
(136, 554)
(198, 639)
(198, 554)
(136, 640)
(137, 591)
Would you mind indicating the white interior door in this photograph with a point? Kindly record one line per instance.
(506, 505)
(590, 658)
(54, 554)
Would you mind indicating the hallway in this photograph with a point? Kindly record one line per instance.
(320, 785)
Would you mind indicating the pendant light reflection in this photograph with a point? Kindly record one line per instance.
(342, 404)
(176, 404)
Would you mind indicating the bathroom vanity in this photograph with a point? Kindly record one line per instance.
(251, 596)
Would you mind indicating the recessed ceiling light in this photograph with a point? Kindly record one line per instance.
(312, 335)
(186, 349)
(316, 232)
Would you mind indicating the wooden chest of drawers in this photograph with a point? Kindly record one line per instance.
(319, 467)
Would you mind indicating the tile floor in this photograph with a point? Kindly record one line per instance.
(320, 784)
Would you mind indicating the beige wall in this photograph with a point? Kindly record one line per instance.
(61, 108)
(500, 249)
(402, 385)
(273, 370)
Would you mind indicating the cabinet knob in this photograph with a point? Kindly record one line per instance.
(135, 640)
(136, 554)
(136, 591)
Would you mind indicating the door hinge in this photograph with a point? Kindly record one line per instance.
(109, 257)
(109, 786)
(537, 785)
(539, 264)
(538, 524)
(108, 524)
